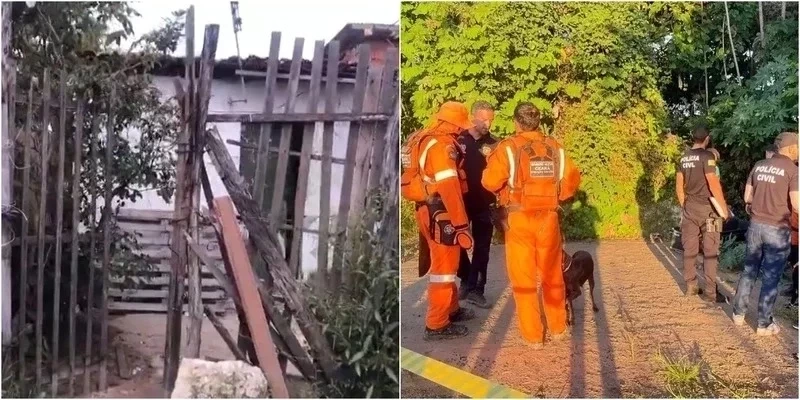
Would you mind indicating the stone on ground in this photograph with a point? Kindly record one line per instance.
(201, 379)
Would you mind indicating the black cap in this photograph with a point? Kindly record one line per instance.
(700, 133)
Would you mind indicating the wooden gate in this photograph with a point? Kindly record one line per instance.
(268, 138)
(62, 262)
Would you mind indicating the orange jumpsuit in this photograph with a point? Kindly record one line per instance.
(439, 161)
(533, 238)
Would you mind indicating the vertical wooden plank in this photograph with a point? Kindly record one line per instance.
(28, 210)
(387, 94)
(62, 128)
(198, 133)
(76, 204)
(194, 289)
(9, 92)
(251, 300)
(349, 167)
(286, 134)
(305, 158)
(366, 140)
(178, 260)
(107, 240)
(95, 162)
(262, 157)
(331, 86)
(45, 150)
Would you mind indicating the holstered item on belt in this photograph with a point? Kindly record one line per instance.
(441, 226)
(714, 224)
(424, 263)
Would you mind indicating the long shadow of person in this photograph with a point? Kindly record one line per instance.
(581, 222)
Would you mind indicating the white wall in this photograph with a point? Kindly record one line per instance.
(224, 90)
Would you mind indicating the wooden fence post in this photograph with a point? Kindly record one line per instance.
(9, 89)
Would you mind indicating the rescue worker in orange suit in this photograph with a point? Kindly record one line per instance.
(531, 175)
(434, 179)
(476, 144)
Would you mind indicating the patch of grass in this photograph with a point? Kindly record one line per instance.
(681, 375)
(786, 313)
(12, 386)
(690, 377)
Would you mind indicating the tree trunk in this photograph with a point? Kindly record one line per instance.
(761, 24)
(733, 47)
(783, 10)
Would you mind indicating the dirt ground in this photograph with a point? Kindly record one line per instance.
(142, 336)
(645, 327)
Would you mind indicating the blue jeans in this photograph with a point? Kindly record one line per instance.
(767, 250)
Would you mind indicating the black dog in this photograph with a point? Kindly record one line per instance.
(577, 270)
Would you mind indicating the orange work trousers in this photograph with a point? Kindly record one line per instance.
(442, 291)
(533, 256)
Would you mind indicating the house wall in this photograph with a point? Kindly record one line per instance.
(378, 51)
(222, 91)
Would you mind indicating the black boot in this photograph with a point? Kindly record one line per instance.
(463, 314)
(451, 331)
(478, 300)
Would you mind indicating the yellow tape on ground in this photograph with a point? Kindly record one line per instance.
(455, 379)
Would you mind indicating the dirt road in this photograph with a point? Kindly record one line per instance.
(644, 328)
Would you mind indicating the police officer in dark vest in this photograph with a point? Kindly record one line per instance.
(771, 196)
(703, 211)
(476, 144)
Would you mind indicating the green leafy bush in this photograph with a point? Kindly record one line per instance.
(732, 255)
(594, 62)
(362, 317)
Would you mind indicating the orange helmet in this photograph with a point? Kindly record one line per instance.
(455, 113)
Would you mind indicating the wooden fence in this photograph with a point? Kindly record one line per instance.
(64, 143)
(62, 274)
(374, 100)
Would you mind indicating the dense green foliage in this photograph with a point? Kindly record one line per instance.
(362, 318)
(619, 84)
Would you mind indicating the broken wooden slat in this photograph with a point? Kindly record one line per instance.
(24, 263)
(122, 364)
(251, 301)
(286, 136)
(288, 118)
(210, 264)
(95, 160)
(45, 151)
(262, 158)
(107, 239)
(266, 242)
(282, 333)
(295, 260)
(62, 147)
(349, 168)
(327, 168)
(224, 334)
(76, 203)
